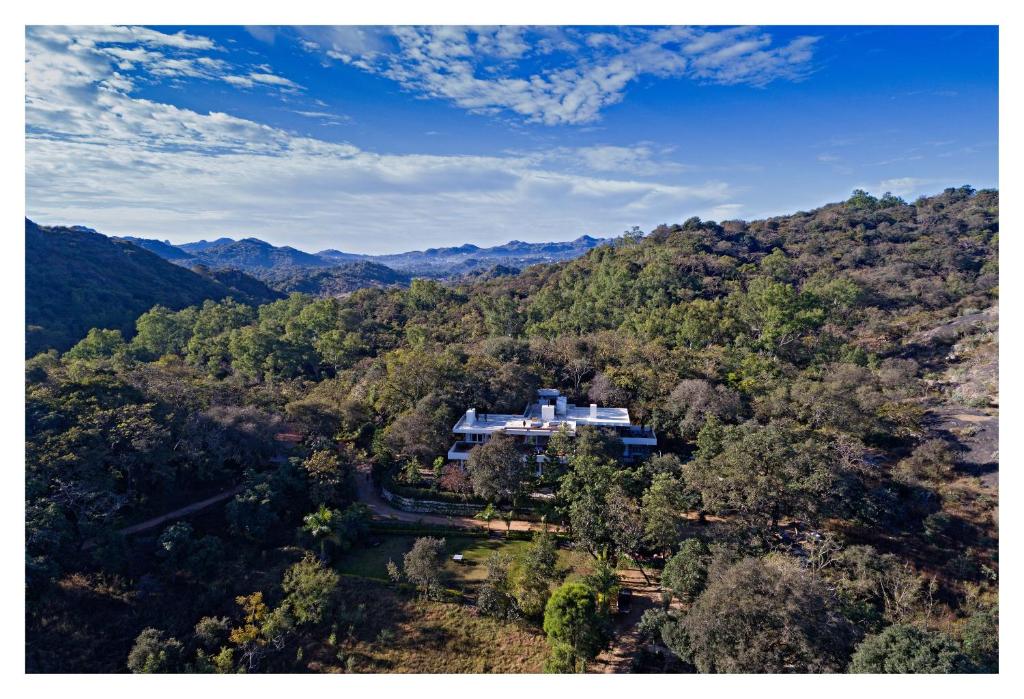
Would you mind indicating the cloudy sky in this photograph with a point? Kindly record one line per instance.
(391, 139)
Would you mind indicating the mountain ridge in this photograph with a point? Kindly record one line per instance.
(77, 279)
(256, 256)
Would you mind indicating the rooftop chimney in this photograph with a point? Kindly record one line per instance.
(471, 416)
(593, 411)
(560, 404)
(547, 413)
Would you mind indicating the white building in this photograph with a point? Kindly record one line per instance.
(544, 417)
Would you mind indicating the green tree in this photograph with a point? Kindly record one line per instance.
(604, 581)
(211, 632)
(561, 445)
(980, 638)
(161, 331)
(502, 316)
(662, 506)
(764, 473)
(626, 525)
(155, 652)
(537, 570)
(97, 344)
(331, 482)
(394, 572)
(860, 199)
(775, 316)
(253, 512)
(208, 346)
(423, 564)
(574, 627)
(769, 616)
(309, 588)
(495, 598)
(932, 460)
(321, 526)
(488, 514)
(907, 649)
(583, 494)
(686, 573)
(174, 544)
(420, 433)
(497, 470)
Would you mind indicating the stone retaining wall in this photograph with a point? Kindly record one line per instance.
(430, 506)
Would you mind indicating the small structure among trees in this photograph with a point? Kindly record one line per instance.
(549, 417)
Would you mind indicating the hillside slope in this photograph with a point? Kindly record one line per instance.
(77, 279)
(255, 256)
(336, 281)
(160, 247)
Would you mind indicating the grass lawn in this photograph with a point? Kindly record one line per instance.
(446, 638)
(404, 634)
(371, 562)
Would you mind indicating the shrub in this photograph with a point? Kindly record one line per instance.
(907, 649)
(154, 652)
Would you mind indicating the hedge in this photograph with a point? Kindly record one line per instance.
(534, 512)
(414, 528)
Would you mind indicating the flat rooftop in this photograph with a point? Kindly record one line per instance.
(531, 420)
(606, 417)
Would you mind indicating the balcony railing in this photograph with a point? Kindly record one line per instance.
(460, 451)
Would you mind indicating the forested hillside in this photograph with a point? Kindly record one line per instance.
(824, 500)
(254, 256)
(76, 279)
(336, 281)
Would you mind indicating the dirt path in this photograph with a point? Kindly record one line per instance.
(618, 658)
(382, 509)
(181, 512)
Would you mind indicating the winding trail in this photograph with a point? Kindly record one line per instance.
(181, 512)
(626, 642)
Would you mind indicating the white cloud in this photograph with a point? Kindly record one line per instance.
(98, 155)
(263, 78)
(326, 118)
(320, 195)
(139, 54)
(643, 159)
(905, 186)
(639, 160)
(488, 70)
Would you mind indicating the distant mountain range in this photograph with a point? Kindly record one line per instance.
(77, 279)
(267, 261)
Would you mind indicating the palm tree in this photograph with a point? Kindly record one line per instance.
(487, 514)
(320, 525)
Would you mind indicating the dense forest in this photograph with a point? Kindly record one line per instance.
(824, 498)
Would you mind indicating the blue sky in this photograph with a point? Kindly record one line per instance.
(388, 139)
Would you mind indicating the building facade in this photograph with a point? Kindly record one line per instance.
(544, 417)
